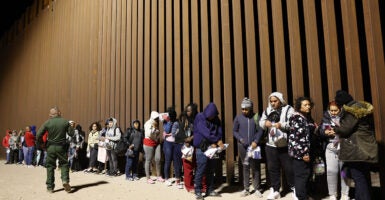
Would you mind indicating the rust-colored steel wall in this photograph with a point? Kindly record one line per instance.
(125, 58)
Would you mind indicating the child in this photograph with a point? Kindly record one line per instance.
(134, 138)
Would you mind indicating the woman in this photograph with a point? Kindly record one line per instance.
(183, 131)
(92, 147)
(358, 146)
(302, 127)
(330, 120)
(151, 146)
(169, 146)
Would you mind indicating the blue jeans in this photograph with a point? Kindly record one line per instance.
(178, 160)
(206, 167)
(132, 164)
(28, 154)
(21, 155)
(168, 150)
(361, 175)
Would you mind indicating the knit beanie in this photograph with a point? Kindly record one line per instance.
(342, 97)
(247, 103)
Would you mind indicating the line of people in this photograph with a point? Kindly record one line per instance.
(286, 135)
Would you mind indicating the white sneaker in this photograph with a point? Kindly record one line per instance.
(273, 194)
(168, 183)
(333, 197)
(294, 195)
(179, 185)
(345, 197)
(258, 194)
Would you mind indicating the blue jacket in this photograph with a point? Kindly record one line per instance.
(246, 129)
(210, 130)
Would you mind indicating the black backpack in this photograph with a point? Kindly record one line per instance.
(121, 145)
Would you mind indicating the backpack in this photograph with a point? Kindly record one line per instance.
(121, 146)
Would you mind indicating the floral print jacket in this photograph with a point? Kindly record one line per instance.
(301, 129)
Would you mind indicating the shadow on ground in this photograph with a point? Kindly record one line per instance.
(75, 188)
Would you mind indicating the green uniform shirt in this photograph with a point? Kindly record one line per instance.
(57, 128)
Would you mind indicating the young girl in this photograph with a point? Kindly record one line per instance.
(330, 120)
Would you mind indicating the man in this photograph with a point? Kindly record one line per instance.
(207, 133)
(247, 132)
(275, 119)
(57, 148)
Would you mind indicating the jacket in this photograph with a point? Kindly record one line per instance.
(285, 112)
(57, 128)
(301, 131)
(356, 132)
(205, 129)
(245, 130)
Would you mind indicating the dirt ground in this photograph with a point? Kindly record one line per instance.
(18, 182)
(21, 183)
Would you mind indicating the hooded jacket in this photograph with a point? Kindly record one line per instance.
(356, 132)
(285, 110)
(134, 136)
(113, 134)
(5, 142)
(205, 129)
(151, 131)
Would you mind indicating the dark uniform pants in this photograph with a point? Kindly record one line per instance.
(55, 152)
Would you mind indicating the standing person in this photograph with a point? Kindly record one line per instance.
(207, 133)
(169, 144)
(151, 146)
(111, 138)
(358, 146)
(14, 150)
(302, 127)
(29, 147)
(5, 144)
(57, 148)
(275, 119)
(134, 139)
(184, 134)
(330, 120)
(92, 147)
(76, 143)
(248, 133)
(20, 141)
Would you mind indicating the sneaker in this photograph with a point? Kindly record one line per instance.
(199, 196)
(273, 194)
(293, 195)
(129, 179)
(333, 197)
(135, 177)
(345, 197)
(245, 193)
(168, 183)
(179, 185)
(49, 190)
(150, 181)
(67, 187)
(258, 194)
(160, 179)
(214, 194)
